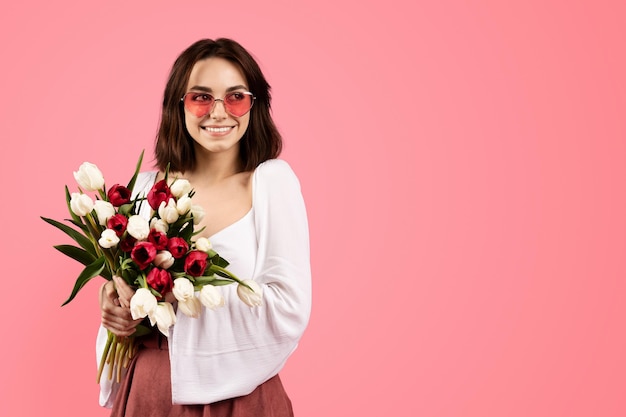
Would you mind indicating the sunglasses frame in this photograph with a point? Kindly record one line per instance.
(215, 100)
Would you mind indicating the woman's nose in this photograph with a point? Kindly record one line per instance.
(219, 110)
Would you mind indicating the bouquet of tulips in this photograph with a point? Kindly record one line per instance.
(154, 255)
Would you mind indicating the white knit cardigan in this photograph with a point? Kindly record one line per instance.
(228, 352)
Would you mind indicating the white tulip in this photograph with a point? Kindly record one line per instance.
(81, 204)
(143, 303)
(198, 213)
(168, 211)
(89, 177)
(104, 210)
(164, 259)
(183, 205)
(164, 317)
(183, 289)
(211, 297)
(138, 227)
(190, 307)
(185, 294)
(108, 239)
(252, 297)
(159, 225)
(180, 187)
(203, 244)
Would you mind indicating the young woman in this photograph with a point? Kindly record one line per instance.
(216, 131)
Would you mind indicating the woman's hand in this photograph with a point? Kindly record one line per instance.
(115, 307)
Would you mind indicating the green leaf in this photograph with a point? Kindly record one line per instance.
(92, 270)
(80, 225)
(203, 280)
(103, 194)
(187, 230)
(106, 274)
(219, 282)
(223, 274)
(141, 281)
(76, 253)
(141, 330)
(198, 231)
(167, 172)
(79, 238)
(130, 276)
(183, 227)
(219, 261)
(131, 183)
(126, 209)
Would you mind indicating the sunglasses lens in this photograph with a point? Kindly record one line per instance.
(199, 104)
(238, 103)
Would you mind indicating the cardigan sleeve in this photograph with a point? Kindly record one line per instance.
(283, 263)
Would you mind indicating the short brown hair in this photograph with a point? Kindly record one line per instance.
(174, 145)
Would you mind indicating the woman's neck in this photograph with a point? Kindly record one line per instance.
(215, 167)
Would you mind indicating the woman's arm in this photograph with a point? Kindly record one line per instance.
(283, 263)
(228, 352)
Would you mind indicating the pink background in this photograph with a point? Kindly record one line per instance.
(463, 164)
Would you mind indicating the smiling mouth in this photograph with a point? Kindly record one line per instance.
(217, 129)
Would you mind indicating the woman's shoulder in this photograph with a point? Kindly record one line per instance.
(274, 169)
(276, 176)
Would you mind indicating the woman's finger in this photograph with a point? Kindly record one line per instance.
(124, 291)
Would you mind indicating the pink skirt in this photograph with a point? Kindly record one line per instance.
(146, 391)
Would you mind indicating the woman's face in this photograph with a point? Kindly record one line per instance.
(218, 131)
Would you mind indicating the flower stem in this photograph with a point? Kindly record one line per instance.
(122, 359)
(112, 358)
(217, 268)
(131, 350)
(105, 354)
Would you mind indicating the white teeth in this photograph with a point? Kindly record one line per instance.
(217, 129)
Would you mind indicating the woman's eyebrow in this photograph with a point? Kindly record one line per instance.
(210, 90)
(237, 87)
(201, 88)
